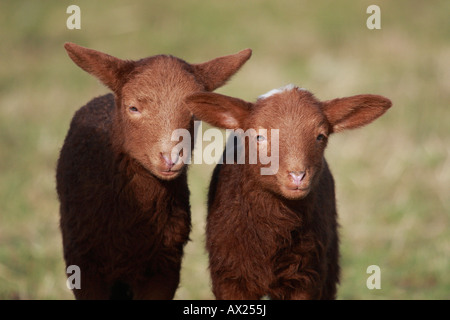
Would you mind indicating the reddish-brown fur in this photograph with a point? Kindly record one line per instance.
(266, 234)
(124, 198)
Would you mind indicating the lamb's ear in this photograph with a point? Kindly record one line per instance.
(215, 73)
(356, 111)
(219, 110)
(106, 68)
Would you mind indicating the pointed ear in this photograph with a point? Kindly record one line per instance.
(354, 112)
(106, 68)
(219, 110)
(215, 73)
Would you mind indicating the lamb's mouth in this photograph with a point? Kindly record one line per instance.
(295, 193)
(169, 173)
(297, 189)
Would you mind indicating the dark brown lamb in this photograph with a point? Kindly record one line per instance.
(124, 198)
(275, 234)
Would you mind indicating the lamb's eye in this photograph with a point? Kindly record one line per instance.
(320, 137)
(260, 138)
(133, 109)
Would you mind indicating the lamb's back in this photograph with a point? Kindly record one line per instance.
(86, 154)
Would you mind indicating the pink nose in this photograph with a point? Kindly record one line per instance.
(170, 161)
(297, 176)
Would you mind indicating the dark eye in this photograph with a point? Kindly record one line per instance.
(260, 138)
(133, 109)
(321, 137)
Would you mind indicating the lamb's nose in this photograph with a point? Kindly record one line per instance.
(297, 176)
(170, 160)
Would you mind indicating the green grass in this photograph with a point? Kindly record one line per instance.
(392, 178)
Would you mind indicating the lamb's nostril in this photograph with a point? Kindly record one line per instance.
(175, 157)
(297, 176)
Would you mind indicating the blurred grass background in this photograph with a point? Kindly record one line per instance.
(392, 177)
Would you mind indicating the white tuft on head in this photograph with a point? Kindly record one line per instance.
(279, 90)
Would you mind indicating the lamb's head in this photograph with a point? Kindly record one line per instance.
(290, 125)
(150, 105)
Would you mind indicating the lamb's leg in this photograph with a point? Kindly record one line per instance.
(292, 290)
(157, 287)
(300, 295)
(233, 290)
(92, 288)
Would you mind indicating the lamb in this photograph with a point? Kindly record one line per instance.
(124, 197)
(276, 234)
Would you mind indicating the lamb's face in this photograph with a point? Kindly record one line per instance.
(152, 108)
(150, 98)
(303, 125)
(303, 134)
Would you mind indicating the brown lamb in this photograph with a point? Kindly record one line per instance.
(124, 197)
(276, 234)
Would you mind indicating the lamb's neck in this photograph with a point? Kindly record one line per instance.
(266, 204)
(139, 186)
